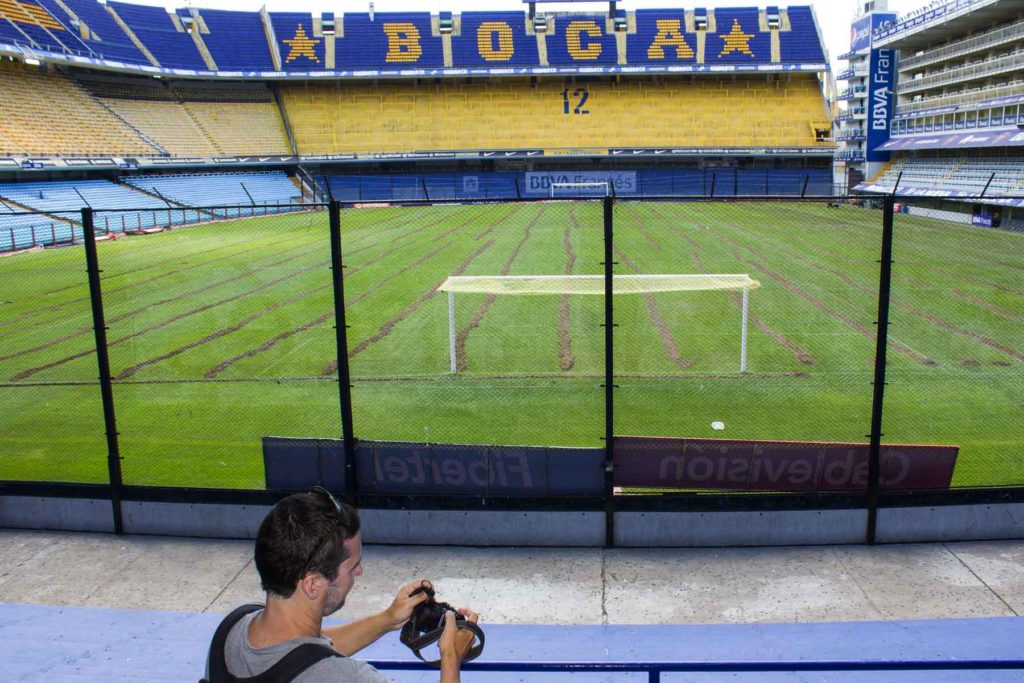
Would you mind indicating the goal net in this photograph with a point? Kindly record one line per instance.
(600, 188)
(595, 285)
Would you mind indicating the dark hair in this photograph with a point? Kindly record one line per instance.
(303, 533)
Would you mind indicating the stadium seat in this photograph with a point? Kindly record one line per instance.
(172, 48)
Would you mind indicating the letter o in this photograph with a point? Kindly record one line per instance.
(485, 41)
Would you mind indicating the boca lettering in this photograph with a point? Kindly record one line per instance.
(403, 43)
(574, 40)
(494, 41)
(670, 34)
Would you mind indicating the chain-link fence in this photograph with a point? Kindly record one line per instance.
(744, 351)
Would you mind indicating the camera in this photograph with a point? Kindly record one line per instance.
(429, 614)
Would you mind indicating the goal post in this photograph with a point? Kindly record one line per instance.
(594, 285)
(597, 188)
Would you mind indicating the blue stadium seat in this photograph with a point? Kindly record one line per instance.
(366, 43)
(222, 189)
(153, 26)
(300, 49)
(595, 46)
(466, 47)
(802, 43)
(236, 40)
(738, 38)
(650, 23)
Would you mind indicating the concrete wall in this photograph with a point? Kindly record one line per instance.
(542, 528)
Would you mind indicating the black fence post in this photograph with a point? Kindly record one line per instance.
(103, 358)
(341, 339)
(609, 374)
(881, 345)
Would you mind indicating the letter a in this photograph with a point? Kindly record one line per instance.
(403, 43)
(670, 34)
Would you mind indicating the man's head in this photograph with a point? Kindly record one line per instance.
(310, 542)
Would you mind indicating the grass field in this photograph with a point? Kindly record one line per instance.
(223, 333)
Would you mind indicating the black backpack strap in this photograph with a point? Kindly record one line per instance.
(216, 661)
(286, 669)
(294, 663)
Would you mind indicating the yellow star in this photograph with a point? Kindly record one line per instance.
(301, 46)
(736, 40)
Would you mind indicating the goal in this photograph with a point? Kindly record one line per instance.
(594, 285)
(598, 188)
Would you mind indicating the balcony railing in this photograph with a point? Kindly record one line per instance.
(994, 67)
(999, 36)
(964, 97)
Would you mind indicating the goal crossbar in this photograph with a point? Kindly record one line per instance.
(532, 285)
(595, 284)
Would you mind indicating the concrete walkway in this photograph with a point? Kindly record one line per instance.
(543, 586)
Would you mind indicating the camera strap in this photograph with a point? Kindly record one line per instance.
(416, 641)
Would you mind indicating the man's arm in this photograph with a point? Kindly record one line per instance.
(454, 645)
(349, 639)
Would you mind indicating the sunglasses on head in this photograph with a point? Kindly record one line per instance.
(342, 521)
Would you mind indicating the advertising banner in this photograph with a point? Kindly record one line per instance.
(741, 465)
(539, 184)
(880, 102)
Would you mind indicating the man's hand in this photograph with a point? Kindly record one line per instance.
(402, 606)
(455, 642)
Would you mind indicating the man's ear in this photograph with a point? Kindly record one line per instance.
(310, 585)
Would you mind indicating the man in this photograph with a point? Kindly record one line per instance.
(308, 555)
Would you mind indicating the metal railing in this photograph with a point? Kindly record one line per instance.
(999, 36)
(654, 670)
(968, 97)
(990, 68)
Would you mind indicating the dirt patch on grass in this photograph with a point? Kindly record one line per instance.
(668, 342)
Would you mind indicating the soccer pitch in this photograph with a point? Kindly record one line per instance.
(223, 333)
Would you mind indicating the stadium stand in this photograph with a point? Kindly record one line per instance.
(387, 40)
(340, 117)
(50, 114)
(168, 123)
(236, 40)
(171, 47)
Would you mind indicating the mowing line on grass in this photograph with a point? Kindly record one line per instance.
(802, 355)
(871, 291)
(323, 318)
(566, 360)
(463, 334)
